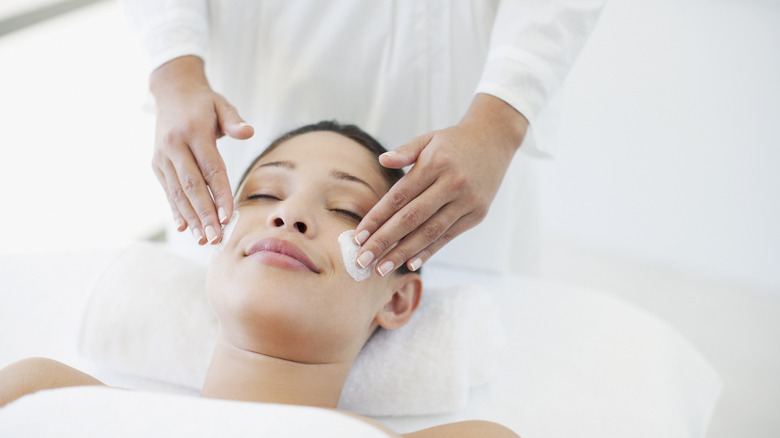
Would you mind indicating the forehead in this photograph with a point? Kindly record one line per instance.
(320, 152)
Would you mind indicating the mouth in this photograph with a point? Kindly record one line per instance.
(282, 254)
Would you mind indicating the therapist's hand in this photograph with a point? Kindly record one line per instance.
(456, 174)
(190, 118)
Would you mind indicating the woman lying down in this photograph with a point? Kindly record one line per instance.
(292, 320)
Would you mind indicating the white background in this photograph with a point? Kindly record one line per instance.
(669, 144)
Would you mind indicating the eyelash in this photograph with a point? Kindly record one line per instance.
(347, 213)
(263, 196)
(352, 215)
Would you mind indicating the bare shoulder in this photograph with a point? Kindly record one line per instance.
(465, 429)
(34, 374)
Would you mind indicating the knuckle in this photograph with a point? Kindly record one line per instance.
(205, 214)
(398, 199)
(211, 171)
(191, 184)
(188, 125)
(480, 213)
(432, 231)
(459, 182)
(410, 217)
(472, 201)
(441, 162)
(176, 194)
(169, 138)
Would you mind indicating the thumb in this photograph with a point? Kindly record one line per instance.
(230, 122)
(407, 154)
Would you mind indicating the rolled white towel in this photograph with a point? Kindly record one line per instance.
(148, 316)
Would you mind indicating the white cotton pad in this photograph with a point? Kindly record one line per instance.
(227, 231)
(349, 251)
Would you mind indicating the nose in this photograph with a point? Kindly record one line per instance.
(292, 218)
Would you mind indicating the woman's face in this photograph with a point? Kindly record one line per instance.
(279, 285)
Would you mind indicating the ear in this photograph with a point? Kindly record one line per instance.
(404, 301)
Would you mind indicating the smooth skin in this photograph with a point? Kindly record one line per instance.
(457, 171)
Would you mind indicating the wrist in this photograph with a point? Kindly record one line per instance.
(182, 73)
(499, 118)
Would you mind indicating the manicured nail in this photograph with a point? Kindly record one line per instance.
(242, 124)
(390, 154)
(386, 268)
(365, 259)
(415, 264)
(198, 234)
(222, 215)
(179, 223)
(361, 237)
(211, 235)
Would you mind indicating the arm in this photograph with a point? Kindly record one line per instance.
(35, 374)
(169, 29)
(533, 45)
(458, 170)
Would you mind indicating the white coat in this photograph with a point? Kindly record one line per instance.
(397, 69)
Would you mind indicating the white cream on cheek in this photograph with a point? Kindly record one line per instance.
(227, 231)
(349, 251)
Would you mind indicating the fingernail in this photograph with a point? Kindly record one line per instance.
(198, 234)
(390, 153)
(365, 259)
(179, 223)
(415, 264)
(361, 237)
(386, 268)
(222, 215)
(242, 124)
(211, 234)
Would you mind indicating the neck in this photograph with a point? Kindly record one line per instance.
(238, 374)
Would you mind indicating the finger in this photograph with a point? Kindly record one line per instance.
(196, 191)
(230, 122)
(459, 227)
(407, 154)
(405, 221)
(408, 188)
(214, 172)
(178, 198)
(421, 237)
(181, 224)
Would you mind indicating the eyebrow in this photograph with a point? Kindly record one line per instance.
(338, 174)
(287, 164)
(334, 173)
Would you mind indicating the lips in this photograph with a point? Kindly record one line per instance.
(281, 253)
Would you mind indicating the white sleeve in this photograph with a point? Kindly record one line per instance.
(533, 45)
(169, 28)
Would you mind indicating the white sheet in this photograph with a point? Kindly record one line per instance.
(95, 412)
(580, 363)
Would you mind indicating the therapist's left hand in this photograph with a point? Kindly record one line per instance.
(456, 174)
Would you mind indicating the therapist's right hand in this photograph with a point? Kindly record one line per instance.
(190, 118)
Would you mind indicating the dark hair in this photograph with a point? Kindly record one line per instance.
(350, 131)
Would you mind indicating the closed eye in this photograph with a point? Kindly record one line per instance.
(263, 196)
(349, 214)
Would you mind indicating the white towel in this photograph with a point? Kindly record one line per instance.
(148, 316)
